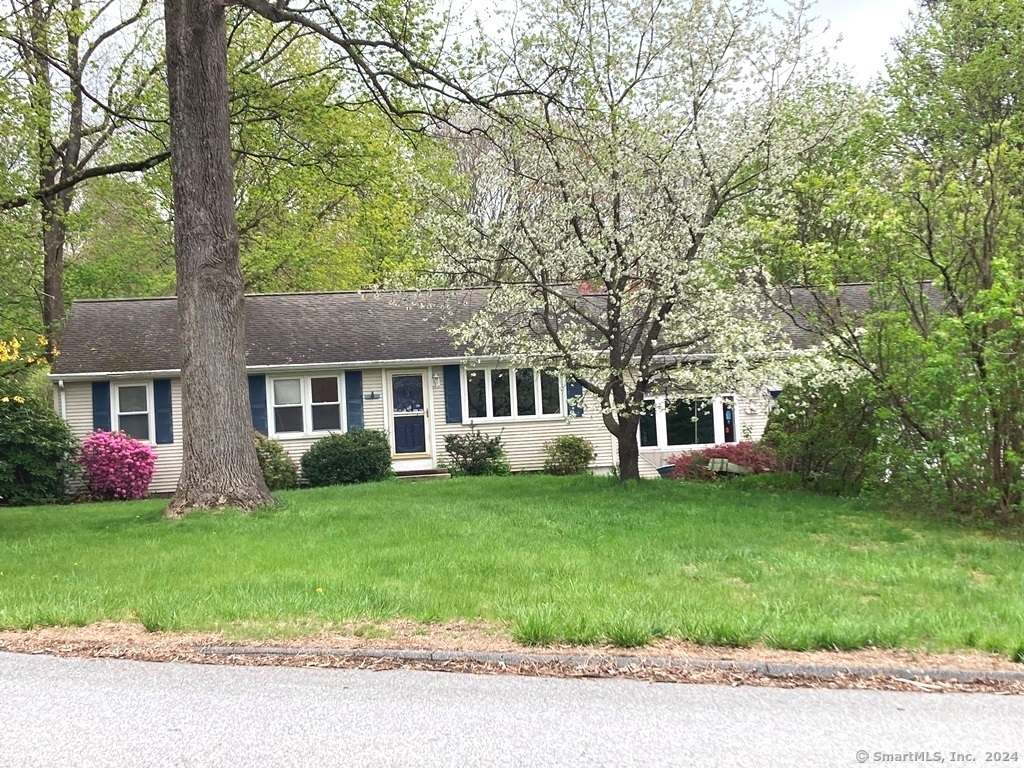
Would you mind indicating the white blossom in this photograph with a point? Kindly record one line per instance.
(623, 170)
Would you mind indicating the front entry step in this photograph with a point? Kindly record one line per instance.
(416, 475)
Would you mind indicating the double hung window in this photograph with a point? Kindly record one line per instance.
(306, 404)
(133, 405)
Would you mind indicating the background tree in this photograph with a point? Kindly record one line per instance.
(327, 186)
(941, 212)
(76, 73)
(625, 169)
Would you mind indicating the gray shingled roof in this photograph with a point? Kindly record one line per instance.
(809, 315)
(121, 335)
(117, 335)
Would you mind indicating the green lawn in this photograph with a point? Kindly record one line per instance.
(576, 559)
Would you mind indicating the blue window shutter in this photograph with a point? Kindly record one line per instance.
(101, 405)
(162, 411)
(258, 403)
(354, 399)
(452, 394)
(573, 389)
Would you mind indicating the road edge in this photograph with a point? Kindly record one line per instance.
(505, 658)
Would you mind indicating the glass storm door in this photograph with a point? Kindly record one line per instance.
(408, 413)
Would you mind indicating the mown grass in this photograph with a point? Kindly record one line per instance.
(554, 559)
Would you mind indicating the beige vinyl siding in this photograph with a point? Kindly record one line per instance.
(524, 438)
(168, 455)
(373, 411)
(752, 417)
(78, 400)
(78, 414)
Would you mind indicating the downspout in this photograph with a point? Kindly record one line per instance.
(64, 417)
(63, 400)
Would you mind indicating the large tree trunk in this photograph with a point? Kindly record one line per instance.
(220, 468)
(51, 164)
(628, 448)
(54, 238)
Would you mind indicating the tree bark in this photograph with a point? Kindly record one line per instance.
(220, 468)
(54, 239)
(51, 164)
(628, 448)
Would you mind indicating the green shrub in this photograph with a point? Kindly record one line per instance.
(279, 469)
(360, 456)
(475, 453)
(569, 455)
(37, 449)
(826, 435)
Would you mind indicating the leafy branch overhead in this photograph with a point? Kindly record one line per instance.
(326, 181)
(401, 57)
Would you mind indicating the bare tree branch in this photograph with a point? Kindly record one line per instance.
(135, 166)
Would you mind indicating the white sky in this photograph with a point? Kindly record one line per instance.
(864, 28)
(867, 28)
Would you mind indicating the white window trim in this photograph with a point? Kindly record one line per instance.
(515, 417)
(306, 395)
(115, 408)
(661, 423)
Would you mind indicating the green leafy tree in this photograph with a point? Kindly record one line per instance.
(327, 190)
(121, 240)
(76, 72)
(327, 186)
(937, 224)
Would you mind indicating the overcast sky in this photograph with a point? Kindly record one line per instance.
(867, 28)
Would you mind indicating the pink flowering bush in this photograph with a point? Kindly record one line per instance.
(117, 466)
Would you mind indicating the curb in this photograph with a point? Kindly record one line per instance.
(768, 669)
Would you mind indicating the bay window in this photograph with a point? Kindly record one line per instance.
(690, 422)
(501, 393)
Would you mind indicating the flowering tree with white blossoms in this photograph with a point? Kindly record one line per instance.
(612, 254)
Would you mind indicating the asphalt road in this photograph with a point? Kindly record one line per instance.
(76, 712)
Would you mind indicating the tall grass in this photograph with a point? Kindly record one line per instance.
(553, 559)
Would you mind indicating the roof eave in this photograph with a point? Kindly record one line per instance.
(390, 363)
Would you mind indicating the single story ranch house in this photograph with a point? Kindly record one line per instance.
(328, 362)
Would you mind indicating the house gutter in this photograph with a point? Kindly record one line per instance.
(387, 363)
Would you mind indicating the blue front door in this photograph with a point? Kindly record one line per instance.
(408, 413)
